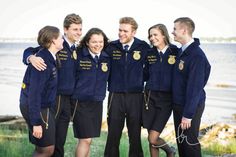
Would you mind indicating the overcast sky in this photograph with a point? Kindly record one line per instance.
(24, 18)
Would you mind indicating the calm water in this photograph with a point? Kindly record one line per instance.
(220, 103)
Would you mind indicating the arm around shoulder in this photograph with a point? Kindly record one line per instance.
(30, 57)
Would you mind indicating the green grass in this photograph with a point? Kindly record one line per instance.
(16, 144)
(215, 148)
(98, 145)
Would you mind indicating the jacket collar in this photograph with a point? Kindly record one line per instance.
(85, 52)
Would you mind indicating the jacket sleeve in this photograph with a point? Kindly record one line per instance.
(29, 51)
(195, 84)
(37, 85)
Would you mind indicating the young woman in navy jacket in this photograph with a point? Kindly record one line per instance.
(92, 70)
(159, 65)
(38, 93)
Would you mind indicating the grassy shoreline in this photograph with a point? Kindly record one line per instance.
(15, 144)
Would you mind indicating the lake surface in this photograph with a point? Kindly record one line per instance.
(221, 88)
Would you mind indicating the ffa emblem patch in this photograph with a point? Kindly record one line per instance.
(171, 59)
(104, 67)
(181, 65)
(136, 55)
(74, 55)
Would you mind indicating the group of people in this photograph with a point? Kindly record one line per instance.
(66, 80)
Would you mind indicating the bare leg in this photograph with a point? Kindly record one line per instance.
(152, 136)
(83, 147)
(154, 152)
(88, 155)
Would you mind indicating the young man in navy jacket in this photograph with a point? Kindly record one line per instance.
(125, 87)
(190, 76)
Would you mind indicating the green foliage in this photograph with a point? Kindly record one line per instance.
(15, 143)
(217, 148)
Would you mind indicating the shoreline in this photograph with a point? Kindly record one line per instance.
(203, 40)
(216, 132)
(6, 118)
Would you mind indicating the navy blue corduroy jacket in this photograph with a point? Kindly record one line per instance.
(127, 67)
(39, 87)
(159, 69)
(91, 77)
(66, 68)
(190, 75)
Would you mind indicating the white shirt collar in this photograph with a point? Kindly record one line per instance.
(53, 55)
(129, 43)
(186, 45)
(163, 50)
(93, 55)
(66, 39)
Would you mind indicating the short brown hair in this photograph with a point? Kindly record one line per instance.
(129, 20)
(70, 19)
(46, 35)
(188, 22)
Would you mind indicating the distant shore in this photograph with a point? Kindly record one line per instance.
(202, 39)
(220, 102)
